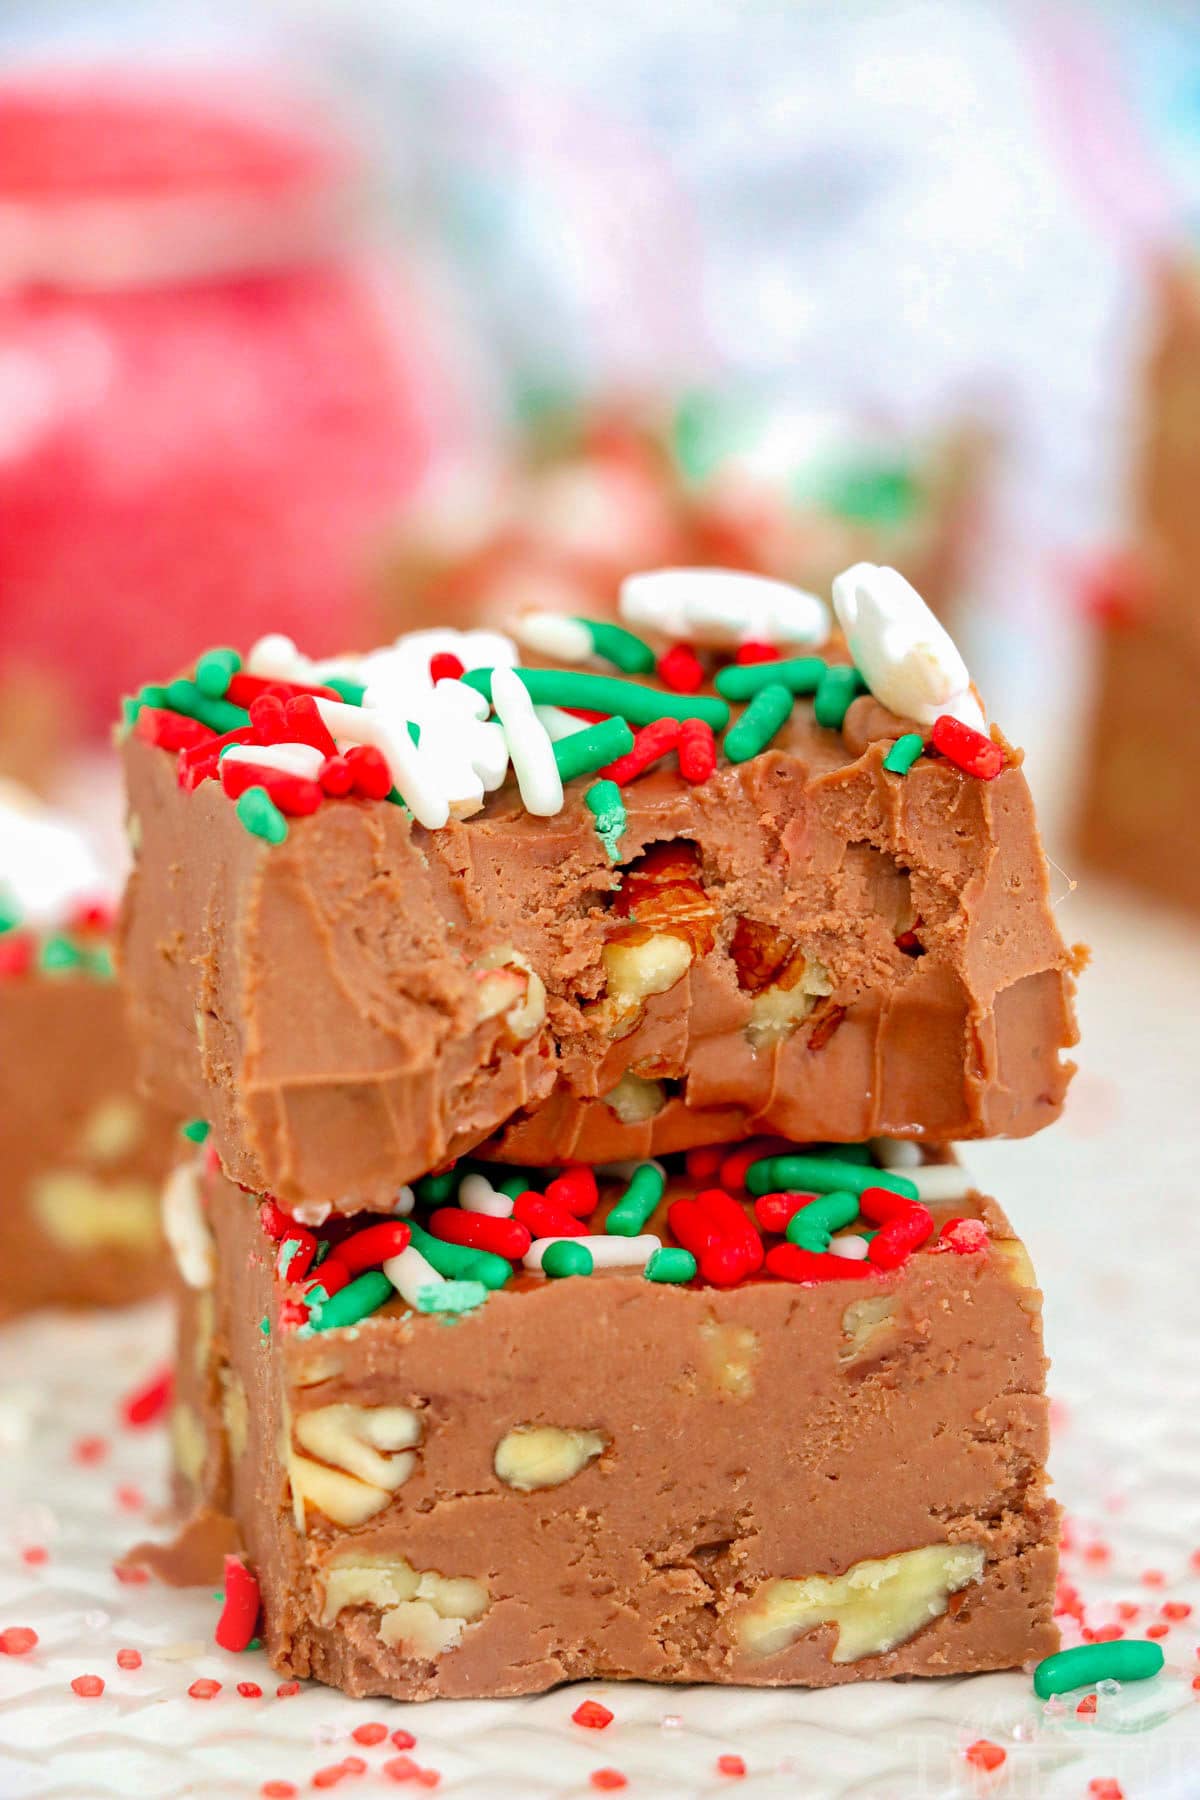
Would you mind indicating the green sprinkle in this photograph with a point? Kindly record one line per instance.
(260, 815)
(10, 916)
(566, 1258)
(351, 691)
(626, 652)
(628, 1217)
(603, 800)
(317, 1295)
(904, 753)
(254, 1644)
(762, 720)
(591, 748)
(836, 690)
(185, 697)
(357, 1300)
(195, 1130)
(435, 1190)
(822, 1175)
(799, 674)
(451, 1297)
(59, 956)
(667, 1264)
(1125, 1659)
(215, 670)
(264, 1325)
(604, 693)
(513, 1186)
(814, 1224)
(149, 695)
(457, 1262)
(99, 963)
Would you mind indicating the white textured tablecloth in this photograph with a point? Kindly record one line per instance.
(1108, 1202)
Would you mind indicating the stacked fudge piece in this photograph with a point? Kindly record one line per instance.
(84, 1158)
(578, 1279)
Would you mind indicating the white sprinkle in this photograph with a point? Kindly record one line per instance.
(414, 773)
(291, 759)
(558, 723)
(404, 1202)
(850, 1246)
(607, 1252)
(940, 1181)
(909, 661)
(185, 1225)
(312, 1213)
(409, 1273)
(276, 658)
(476, 1194)
(529, 746)
(897, 1153)
(723, 606)
(555, 635)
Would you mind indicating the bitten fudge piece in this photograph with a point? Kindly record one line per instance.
(623, 1475)
(810, 932)
(84, 1157)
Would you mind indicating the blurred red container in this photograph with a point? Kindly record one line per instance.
(209, 405)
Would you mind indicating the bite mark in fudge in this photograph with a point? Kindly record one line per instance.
(803, 943)
(608, 1476)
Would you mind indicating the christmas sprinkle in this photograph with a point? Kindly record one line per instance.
(904, 753)
(1127, 1659)
(603, 800)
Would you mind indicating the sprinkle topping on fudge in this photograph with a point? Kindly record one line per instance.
(438, 721)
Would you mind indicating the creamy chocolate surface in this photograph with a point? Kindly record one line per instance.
(604, 1477)
(804, 944)
(84, 1156)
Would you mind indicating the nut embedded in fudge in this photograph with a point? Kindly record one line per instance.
(84, 1156)
(621, 1477)
(567, 948)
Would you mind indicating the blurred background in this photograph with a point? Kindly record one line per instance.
(333, 317)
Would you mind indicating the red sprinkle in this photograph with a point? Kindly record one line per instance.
(89, 1450)
(1154, 1578)
(1157, 1630)
(719, 1235)
(286, 1689)
(336, 777)
(269, 719)
(1128, 1609)
(540, 1216)
(204, 1688)
(966, 748)
(131, 1574)
(201, 761)
(966, 1237)
(403, 1740)
(18, 1640)
(731, 1765)
(905, 1226)
(592, 1714)
(807, 1267)
(171, 731)
(369, 1734)
(294, 795)
(239, 1614)
(275, 1222)
(429, 1777)
(983, 1754)
(148, 1402)
(330, 1776)
(278, 1790)
(88, 1687)
(369, 772)
(129, 1659)
(445, 666)
(703, 1163)
(680, 669)
(775, 1212)
(332, 1276)
(752, 652)
(303, 1247)
(369, 1248)
(249, 1690)
(1087, 1706)
(401, 1768)
(697, 750)
(575, 1190)
(478, 1231)
(649, 744)
(1103, 1787)
(306, 726)
(354, 1765)
(1176, 1609)
(16, 953)
(608, 1780)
